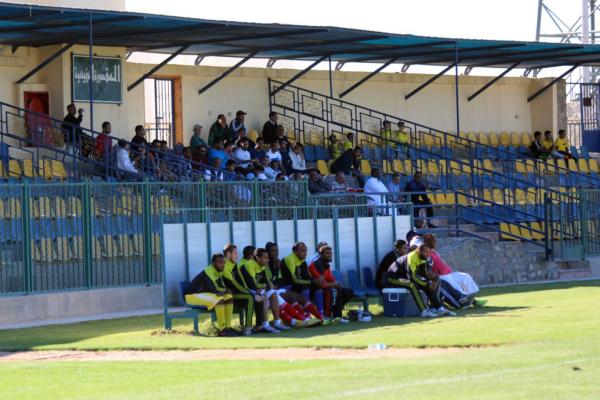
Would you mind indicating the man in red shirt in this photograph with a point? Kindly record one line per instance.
(335, 296)
(103, 142)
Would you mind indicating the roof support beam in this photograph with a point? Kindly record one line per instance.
(339, 65)
(490, 83)
(156, 68)
(198, 59)
(47, 61)
(548, 86)
(298, 75)
(429, 81)
(224, 74)
(366, 78)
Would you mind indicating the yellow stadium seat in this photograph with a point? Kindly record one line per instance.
(439, 198)
(583, 165)
(515, 139)
(526, 138)
(387, 168)
(58, 170)
(365, 167)
(573, 165)
(450, 198)
(398, 166)
(455, 168)
(520, 167)
(28, 168)
(506, 230)
(408, 168)
(432, 167)
(504, 139)
(14, 169)
(520, 196)
(488, 165)
(536, 231)
(42, 250)
(487, 195)
(474, 136)
(561, 164)
(3, 174)
(525, 233)
(484, 138)
(498, 195)
(530, 165)
(45, 168)
(593, 165)
(41, 207)
(493, 138)
(322, 167)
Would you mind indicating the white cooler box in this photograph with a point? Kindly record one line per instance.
(398, 302)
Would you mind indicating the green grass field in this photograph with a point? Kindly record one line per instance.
(531, 342)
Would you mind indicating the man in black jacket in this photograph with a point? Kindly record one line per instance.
(71, 124)
(349, 164)
(269, 131)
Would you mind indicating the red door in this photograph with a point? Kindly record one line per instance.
(36, 123)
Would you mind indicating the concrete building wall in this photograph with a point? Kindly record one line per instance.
(503, 107)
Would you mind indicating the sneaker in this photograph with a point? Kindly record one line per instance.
(328, 321)
(281, 327)
(270, 329)
(443, 311)
(479, 303)
(226, 333)
(344, 321)
(247, 332)
(427, 313)
(233, 332)
(311, 322)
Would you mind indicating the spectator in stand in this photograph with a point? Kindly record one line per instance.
(140, 136)
(237, 128)
(562, 145)
(200, 155)
(402, 137)
(71, 124)
(273, 170)
(124, 161)
(273, 152)
(335, 296)
(339, 184)
(395, 186)
(228, 148)
(281, 135)
(286, 161)
(141, 161)
(374, 187)
(196, 139)
(259, 173)
(349, 143)
(548, 146)
(218, 151)
(185, 165)
(164, 147)
(297, 176)
(334, 147)
(230, 172)
(535, 148)
(298, 163)
(269, 131)
(316, 183)
(349, 164)
(242, 157)
(258, 152)
(420, 198)
(218, 130)
(386, 133)
(103, 142)
(214, 174)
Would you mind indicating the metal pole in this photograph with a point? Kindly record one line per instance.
(91, 83)
(539, 21)
(330, 79)
(585, 35)
(456, 87)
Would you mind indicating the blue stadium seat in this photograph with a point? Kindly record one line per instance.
(512, 153)
(366, 150)
(584, 152)
(354, 282)
(337, 274)
(523, 150)
(574, 152)
(322, 153)
(309, 153)
(370, 288)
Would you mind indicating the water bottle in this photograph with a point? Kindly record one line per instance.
(333, 296)
(377, 346)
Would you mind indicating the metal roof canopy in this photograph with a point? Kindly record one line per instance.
(36, 26)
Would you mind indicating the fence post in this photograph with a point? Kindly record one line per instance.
(202, 200)
(336, 236)
(87, 233)
(26, 227)
(548, 244)
(583, 220)
(147, 218)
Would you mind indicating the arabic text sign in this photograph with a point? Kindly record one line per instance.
(107, 82)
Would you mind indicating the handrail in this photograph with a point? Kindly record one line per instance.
(456, 138)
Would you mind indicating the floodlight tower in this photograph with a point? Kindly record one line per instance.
(551, 25)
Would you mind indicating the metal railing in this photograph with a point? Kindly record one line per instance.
(67, 236)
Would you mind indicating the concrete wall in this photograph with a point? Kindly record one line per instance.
(503, 107)
(51, 306)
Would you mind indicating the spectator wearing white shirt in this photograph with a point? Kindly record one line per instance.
(259, 173)
(215, 174)
(339, 184)
(124, 161)
(242, 157)
(273, 170)
(296, 155)
(273, 152)
(395, 186)
(375, 186)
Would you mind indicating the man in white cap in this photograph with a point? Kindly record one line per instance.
(196, 139)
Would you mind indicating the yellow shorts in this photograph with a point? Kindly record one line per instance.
(208, 300)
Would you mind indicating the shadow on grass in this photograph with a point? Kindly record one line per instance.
(492, 291)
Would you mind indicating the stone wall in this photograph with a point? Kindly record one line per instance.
(493, 262)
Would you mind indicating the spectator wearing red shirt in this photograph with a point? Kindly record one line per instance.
(335, 295)
(103, 142)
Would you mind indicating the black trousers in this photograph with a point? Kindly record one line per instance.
(433, 295)
(339, 298)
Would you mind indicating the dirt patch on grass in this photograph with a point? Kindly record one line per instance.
(238, 354)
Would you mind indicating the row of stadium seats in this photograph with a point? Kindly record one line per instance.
(47, 169)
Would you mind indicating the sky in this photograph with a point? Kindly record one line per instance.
(479, 19)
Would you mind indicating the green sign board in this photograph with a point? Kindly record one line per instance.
(107, 79)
